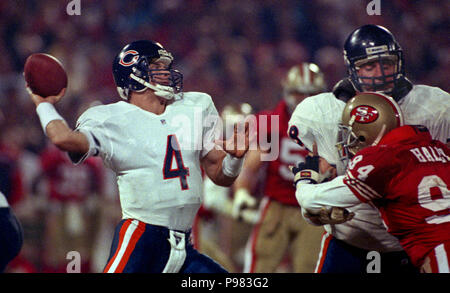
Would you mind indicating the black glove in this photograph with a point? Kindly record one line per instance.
(344, 90)
(308, 171)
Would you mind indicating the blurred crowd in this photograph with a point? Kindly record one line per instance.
(236, 51)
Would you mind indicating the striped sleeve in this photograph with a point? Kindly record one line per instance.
(370, 172)
(360, 189)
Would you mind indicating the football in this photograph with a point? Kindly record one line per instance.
(44, 74)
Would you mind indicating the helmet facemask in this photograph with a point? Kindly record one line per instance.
(348, 143)
(155, 78)
(384, 83)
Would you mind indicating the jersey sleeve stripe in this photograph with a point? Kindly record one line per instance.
(364, 186)
(358, 193)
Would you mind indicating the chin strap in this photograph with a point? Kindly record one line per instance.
(162, 91)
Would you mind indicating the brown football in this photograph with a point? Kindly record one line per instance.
(44, 74)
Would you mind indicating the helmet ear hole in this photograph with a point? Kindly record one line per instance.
(362, 138)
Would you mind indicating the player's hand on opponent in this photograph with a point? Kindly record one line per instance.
(50, 99)
(333, 216)
(237, 145)
(309, 172)
(312, 171)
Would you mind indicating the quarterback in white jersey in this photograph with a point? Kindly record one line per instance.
(157, 142)
(317, 118)
(154, 156)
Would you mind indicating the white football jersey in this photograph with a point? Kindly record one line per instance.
(317, 119)
(156, 158)
(428, 106)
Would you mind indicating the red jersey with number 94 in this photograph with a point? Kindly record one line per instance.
(407, 176)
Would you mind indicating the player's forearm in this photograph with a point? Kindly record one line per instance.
(227, 171)
(246, 179)
(56, 129)
(65, 138)
(223, 180)
(335, 193)
(219, 178)
(221, 168)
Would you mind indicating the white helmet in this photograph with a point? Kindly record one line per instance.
(305, 78)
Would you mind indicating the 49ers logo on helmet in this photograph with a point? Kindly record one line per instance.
(133, 60)
(364, 114)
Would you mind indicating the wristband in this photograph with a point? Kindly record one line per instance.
(47, 113)
(306, 176)
(231, 166)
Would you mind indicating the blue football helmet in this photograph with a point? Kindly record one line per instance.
(373, 43)
(132, 72)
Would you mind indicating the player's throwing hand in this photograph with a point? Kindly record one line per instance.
(50, 99)
(237, 145)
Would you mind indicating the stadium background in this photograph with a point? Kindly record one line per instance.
(237, 51)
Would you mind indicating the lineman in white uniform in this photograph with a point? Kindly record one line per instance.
(375, 64)
(156, 142)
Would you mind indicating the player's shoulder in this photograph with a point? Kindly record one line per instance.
(374, 151)
(104, 112)
(321, 103)
(434, 91)
(383, 154)
(428, 96)
(193, 98)
(319, 107)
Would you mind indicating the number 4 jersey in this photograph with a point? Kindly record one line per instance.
(407, 176)
(156, 158)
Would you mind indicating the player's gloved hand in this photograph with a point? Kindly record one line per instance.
(308, 171)
(333, 216)
(242, 201)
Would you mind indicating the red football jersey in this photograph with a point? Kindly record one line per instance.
(407, 176)
(67, 181)
(278, 178)
(11, 183)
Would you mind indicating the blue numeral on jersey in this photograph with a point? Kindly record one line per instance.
(173, 151)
